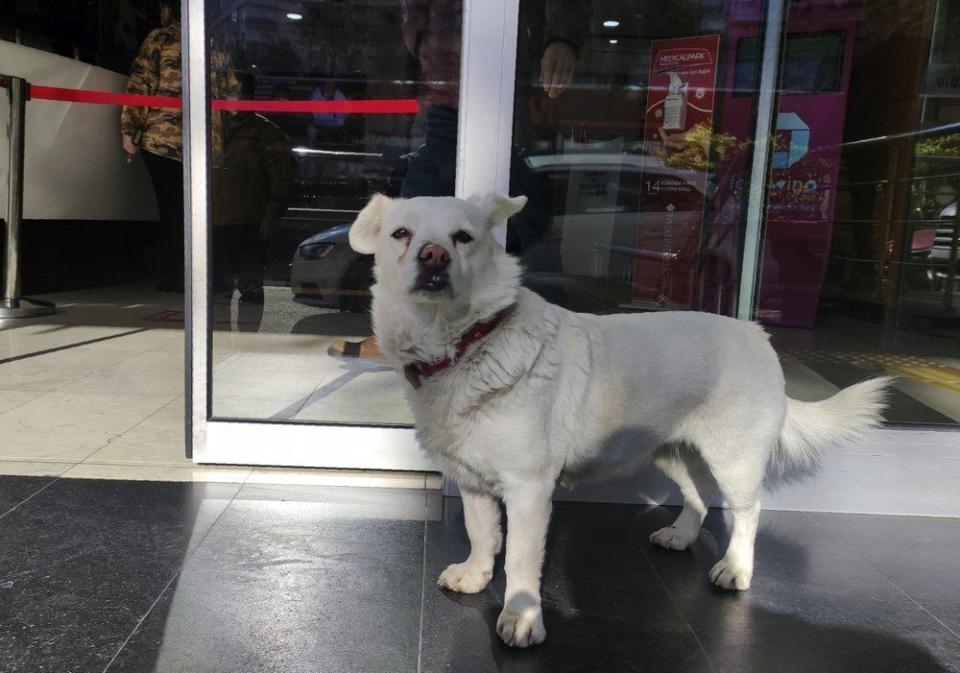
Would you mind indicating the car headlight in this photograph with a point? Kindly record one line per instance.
(314, 250)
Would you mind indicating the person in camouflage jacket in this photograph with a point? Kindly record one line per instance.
(156, 72)
(250, 191)
(159, 132)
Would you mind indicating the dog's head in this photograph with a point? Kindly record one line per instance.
(431, 248)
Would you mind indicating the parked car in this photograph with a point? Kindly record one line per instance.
(327, 273)
(934, 247)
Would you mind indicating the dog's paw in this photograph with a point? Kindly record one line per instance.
(672, 537)
(521, 628)
(730, 575)
(465, 578)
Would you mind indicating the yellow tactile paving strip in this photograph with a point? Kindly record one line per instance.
(944, 375)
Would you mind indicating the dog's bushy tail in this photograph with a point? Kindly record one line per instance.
(812, 427)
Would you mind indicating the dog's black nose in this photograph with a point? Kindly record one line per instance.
(433, 256)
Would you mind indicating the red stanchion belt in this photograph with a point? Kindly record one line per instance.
(363, 107)
(371, 106)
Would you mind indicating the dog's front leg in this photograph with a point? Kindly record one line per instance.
(528, 515)
(481, 514)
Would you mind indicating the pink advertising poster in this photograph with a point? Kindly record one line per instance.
(799, 219)
(805, 165)
(679, 112)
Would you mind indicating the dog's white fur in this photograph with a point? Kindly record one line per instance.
(550, 393)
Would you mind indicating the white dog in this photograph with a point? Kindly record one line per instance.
(511, 394)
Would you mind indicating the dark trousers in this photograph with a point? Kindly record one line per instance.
(167, 177)
(433, 165)
(237, 263)
(237, 260)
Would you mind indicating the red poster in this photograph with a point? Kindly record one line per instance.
(677, 125)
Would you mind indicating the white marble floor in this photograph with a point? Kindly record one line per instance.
(97, 391)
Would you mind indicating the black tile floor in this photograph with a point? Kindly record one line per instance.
(202, 578)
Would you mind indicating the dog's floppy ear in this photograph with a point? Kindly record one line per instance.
(366, 228)
(498, 208)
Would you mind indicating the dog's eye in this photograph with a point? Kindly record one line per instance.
(462, 237)
(401, 233)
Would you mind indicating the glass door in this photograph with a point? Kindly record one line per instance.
(859, 250)
(289, 297)
(733, 156)
(308, 109)
(790, 163)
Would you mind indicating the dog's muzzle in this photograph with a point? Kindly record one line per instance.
(432, 263)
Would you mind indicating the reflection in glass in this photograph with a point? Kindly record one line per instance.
(638, 175)
(288, 292)
(632, 137)
(637, 171)
(856, 275)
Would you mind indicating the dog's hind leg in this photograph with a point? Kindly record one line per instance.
(738, 467)
(691, 475)
(481, 514)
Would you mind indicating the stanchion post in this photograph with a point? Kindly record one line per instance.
(13, 305)
(11, 276)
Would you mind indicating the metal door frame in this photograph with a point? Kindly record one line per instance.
(486, 105)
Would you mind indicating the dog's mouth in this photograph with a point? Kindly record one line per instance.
(432, 281)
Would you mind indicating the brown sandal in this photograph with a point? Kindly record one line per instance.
(353, 349)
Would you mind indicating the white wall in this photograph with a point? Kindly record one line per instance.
(75, 168)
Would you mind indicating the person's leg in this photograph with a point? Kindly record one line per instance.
(532, 224)
(250, 274)
(167, 177)
(237, 265)
(528, 234)
(222, 262)
(432, 169)
(442, 123)
(220, 278)
(420, 175)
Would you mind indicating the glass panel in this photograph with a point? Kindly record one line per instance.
(859, 250)
(286, 185)
(636, 158)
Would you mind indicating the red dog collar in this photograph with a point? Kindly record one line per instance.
(415, 370)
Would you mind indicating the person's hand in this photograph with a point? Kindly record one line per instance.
(129, 146)
(556, 68)
(680, 141)
(673, 141)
